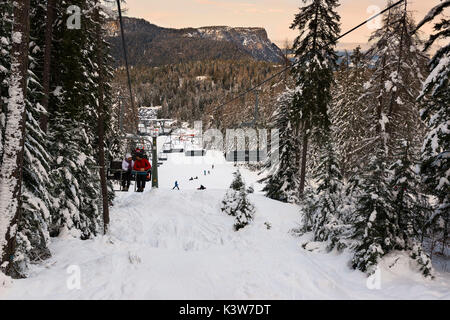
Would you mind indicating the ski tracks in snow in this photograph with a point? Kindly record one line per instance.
(166, 244)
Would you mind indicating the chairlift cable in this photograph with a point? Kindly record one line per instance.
(125, 55)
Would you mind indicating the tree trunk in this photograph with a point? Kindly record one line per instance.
(12, 166)
(304, 159)
(101, 121)
(43, 121)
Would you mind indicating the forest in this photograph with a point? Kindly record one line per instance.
(190, 91)
(56, 128)
(364, 145)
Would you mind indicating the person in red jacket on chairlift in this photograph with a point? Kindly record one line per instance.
(141, 166)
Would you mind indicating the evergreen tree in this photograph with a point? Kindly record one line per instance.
(435, 99)
(33, 236)
(374, 228)
(76, 183)
(388, 213)
(347, 112)
(236, 203)
(245, 212)
(73, 124)
(282, 184)
(237, 184)
(327, 198)
(316, 60)
(398, 70)
(408, 207)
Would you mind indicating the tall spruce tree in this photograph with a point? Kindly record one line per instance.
(318, 26)
(408, 207)
(374, 224)
(348, 113)
(435, 99)
(33, 236)
(327, 197)
(399, 67)
(283, 182)
(73, 123)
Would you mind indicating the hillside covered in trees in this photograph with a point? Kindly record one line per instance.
(151, 45)
(192, 91)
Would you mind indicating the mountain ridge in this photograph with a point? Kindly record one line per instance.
(149, 44)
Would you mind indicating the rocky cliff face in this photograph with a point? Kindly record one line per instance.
(149, 44)
(252, 40)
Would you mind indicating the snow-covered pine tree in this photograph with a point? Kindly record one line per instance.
(76, 182)
(236, 203)
(435, 99)
(327, 197)
(33, 236)
(408, 207)
(283, 182)
(399, 67)
(316, 60)
(238, 183)
(347, 111)
(375, 229)
(396, 75)
(73, 124)
(246, 211)
(230, 202)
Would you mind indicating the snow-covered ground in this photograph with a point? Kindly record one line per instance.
(166, 244)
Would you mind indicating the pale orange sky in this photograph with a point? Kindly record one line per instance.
(274, 15)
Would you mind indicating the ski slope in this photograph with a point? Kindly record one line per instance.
(166, 244)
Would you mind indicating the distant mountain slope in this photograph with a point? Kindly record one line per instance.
(151, 45)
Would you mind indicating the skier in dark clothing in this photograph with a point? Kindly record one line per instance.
(202, 187)
(142, 166)
(127, 167)
(176, 186)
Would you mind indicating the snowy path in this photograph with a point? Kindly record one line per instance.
(168, 244)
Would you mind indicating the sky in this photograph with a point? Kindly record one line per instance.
(273, 15)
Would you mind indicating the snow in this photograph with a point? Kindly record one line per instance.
(57, 92)
(437, 73)
(166, 244)
(16, 37)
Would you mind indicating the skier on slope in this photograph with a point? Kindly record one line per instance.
(127, 167)
(142, 166)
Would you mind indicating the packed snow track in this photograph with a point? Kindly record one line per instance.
(170, 244)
